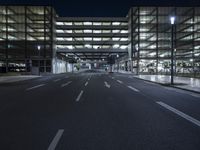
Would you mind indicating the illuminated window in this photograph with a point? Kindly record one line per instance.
(97, 23)
(68, 39)
(70, 47)
(78, 39)
(106, 31)
(59, 23)
(97, 31)
(68, 23)
(68, 31)
(88, 46)
(78, 31)
(106, 23)
(79, 46)
(87, 23)
(116, 46)
(116, 23)
(78, 23)
(87, 31)
(115, 31)
(115, 39)
(123, 47)
(88, 39)
(124, 31)
(124, 39)
(59, 39)
(106, 39)
(96, 46)
(97, 39)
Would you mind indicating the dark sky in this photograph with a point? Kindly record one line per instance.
(99, 8)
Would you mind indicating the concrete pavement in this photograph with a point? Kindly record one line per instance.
(97, 111)
(192, 84)
(10, 79)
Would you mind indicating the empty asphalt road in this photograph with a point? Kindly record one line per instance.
(97, 111)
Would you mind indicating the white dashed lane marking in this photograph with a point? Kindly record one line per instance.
(86, 83)
(179, 113)
(132, 88)
(79, 96)
(34, 87)
(65, 84)
(107, 85)
(56, 139)
(119, 81)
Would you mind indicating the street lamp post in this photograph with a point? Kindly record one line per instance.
(172, 19)
(38, 47)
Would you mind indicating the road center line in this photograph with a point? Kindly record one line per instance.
(34, 87)
(57, 80)
(106, 84)
(56, 139)
(183, 115)
(86, 83)
(119, 81)
(132, 88)
(65, 84)
(79, 96)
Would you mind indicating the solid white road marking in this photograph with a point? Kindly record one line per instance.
(132, 88)
(106, 84)
(183, 115)
(119, 81)
(57, 80)
(34, 87)
(56, 139)
(79, 96)
(86, 83)
(65, 84)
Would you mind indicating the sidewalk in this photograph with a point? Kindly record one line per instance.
(190, 84)
(10, 79)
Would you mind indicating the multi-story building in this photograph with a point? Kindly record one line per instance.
(151, 39)
(33, 37)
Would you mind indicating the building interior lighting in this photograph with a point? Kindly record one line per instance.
(88, 46)
(116, 46)
(123, 47)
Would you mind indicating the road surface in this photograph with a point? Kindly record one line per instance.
(97, 111)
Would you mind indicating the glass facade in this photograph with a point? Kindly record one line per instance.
(150, 32)
(26, 37)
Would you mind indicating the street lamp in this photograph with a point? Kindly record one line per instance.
(172, 20)
(39, 47)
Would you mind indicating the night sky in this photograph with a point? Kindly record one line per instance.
(99, 8)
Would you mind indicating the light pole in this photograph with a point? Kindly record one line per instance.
(117, 63)
(172, 20)
(39, 47)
